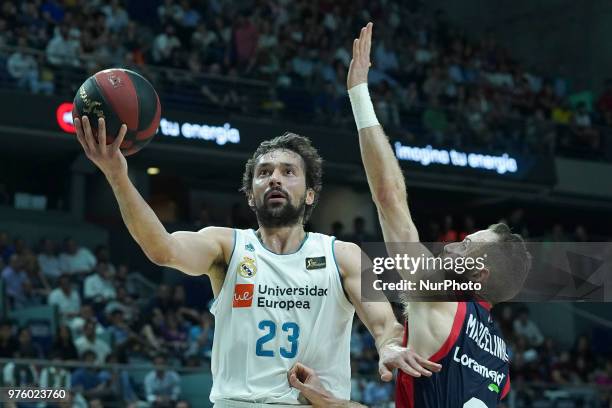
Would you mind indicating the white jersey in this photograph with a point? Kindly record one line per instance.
(275, 310)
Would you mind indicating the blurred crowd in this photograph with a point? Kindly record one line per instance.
(430, 83)
(105, 317)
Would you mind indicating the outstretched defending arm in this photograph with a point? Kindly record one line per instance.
(194, 253)
(382, 169)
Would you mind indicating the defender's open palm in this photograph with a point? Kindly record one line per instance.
(108, 158)
(360, 64)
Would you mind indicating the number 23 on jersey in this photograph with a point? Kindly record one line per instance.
(290, 330)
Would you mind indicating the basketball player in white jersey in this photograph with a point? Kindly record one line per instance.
(460, 335)
(281, 295)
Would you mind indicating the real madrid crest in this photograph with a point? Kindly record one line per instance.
(247, 267)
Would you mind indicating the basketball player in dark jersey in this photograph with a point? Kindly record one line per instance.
(460, 335)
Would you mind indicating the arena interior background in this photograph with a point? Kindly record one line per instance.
(518, 89)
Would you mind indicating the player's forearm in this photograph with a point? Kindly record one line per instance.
(140, 219)
(384, 175)
(383, 172)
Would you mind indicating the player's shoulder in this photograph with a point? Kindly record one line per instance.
(223, 235)
(219, 232)
(347, 256)
(346, 248)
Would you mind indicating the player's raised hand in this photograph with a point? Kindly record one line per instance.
(360, 64)
(108, 158)
(405, 359)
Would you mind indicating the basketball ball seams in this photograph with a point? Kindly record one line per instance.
(154, 123)
(122, 87)
(144, 92)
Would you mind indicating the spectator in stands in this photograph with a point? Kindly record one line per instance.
(99, 287)
(63, 49)
(31, 297)
(118, 329)
(540, 134)
(17, 374)
(164, 44)
(66, 298)
(152, 330)
(360, 234)
(387, 106)
(88, 380)
(76, 259)
(581, 124)
(48, 260)
(604, 377)
(162, 386)
(39, 284)
(116, 16)
(26, 347)
(168, 12)
(54, 376)
(581, 234)
(434, 120)
(123, 303)
(189, 15)
(119, 382)
(174, 333)
(90, 341)
(582, 354)
(8, 343)
(179, 304)
(162, 300)
(561, 113)
(201, 336)
(102, 255)
(14, 276)
(525, 327)
(302, 65)
(23, 68)
(125, 279)
(246, 37)
(63, 345)
(77, 323)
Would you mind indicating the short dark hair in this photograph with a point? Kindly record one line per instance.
(300, 145)
(513, 262)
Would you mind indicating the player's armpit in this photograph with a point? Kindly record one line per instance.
(195, 253)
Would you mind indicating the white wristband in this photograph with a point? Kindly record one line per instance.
(363, 110)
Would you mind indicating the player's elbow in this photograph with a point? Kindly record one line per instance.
(159, 258)
(389, 195)
(161, 254)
